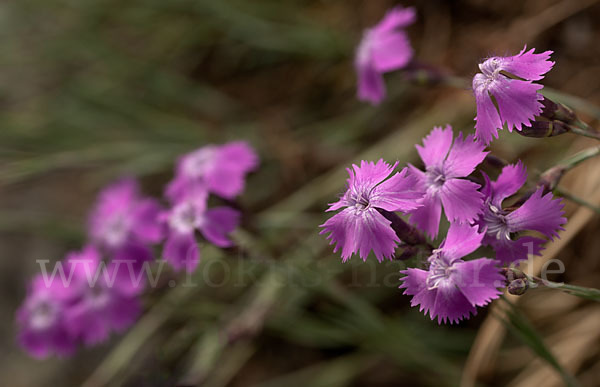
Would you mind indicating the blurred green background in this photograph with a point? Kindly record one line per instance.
(92, 90)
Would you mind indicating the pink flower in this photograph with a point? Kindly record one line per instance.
(220, 169)
(107, 296)
(446, 165)
(359, 227)
(188, 215)
(452, 288)
(383, 48)
(539, 213)
(126, 223)
(509, 81)
(41, 319)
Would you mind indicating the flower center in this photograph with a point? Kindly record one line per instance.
(495, 220)
(116, 230)
(43, 315)
(359, 199)
(439, 270)
(435, 178)
(491, 67)
(199, 163)
(184, 218)
(97, 296)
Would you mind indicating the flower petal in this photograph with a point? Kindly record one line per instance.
(509, 251)
(451, 305)
(427, 217)
(436, 146)
(488, 118)
(463, 157)
(528, 65)
(218, 222)
(390, 51)
(518, 101)
(478, 280)
(181, 251)
(369, 173)
(462, 201)
(510, 180)
(415, 284)
(539, 213)
(398, 193)
(462, 239)
(370, 84)
(396, 17)
(361, 231)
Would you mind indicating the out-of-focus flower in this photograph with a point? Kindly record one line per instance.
(508, 83)
(219, 169)
(188, 215)
(383, 48)
(106, 296)
(359, 227)
(539, 213)
(125, 223)
(452, 288)
(446, 165)
(41, 319)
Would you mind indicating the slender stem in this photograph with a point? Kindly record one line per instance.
(591, 133)
(580, 157)
(576, 199)
(579, 291)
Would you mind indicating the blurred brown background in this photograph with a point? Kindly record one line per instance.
(92, 90)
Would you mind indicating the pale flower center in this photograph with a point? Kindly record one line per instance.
(184, 218)
(199, 163)
(98, 296)
(439, 270)
(359, 199)
(116, 230)
(42, 315)
(435, 178)
(491, 68)
(495, 220)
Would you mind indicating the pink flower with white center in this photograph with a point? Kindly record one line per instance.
(188, 215)
(107, 296)
(124, 222)
(540, 212)
(508, 81)
(220, 169)
(383, 48)
(452, 288)
(360, 227)
(41, 319)
(446, 166)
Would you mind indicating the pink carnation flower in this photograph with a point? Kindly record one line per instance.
(509, 82)
(383, 48)
(359, 227)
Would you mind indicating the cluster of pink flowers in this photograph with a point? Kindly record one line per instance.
(448, 286)
(451, 287)
(98, 289)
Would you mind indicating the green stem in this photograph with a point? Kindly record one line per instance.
(586, 131)
(576, 199)
(579, 291)
(580, 157)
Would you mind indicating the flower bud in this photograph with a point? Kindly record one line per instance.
(549, 179)
(518, 287)
(544, 129)
(557, 112)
